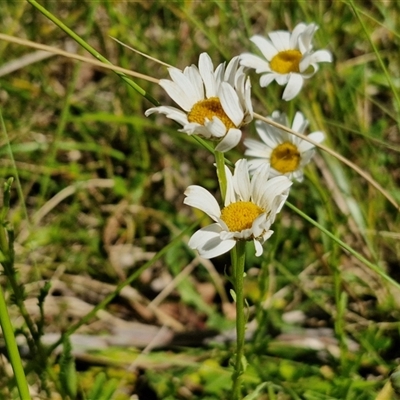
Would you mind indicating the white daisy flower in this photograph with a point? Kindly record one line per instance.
(289, 58)
(286, 153)
(250, 209)
(215, 104)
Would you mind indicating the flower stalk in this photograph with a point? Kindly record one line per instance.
(220, 161)
(238, 256)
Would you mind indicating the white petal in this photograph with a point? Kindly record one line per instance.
(216, 128)
(321, 56)
(306, 158)
(297, 31)
(266, 47)
(219, 73)
(247, 100)
(282, 79)
(170, 112)
(266, 236)
(304, 65)
(202, 199)
(257, 163)
(230, 103)
(298, 122)
(206, 69)
(231, 139)
(241, 180)
(208, 243)
(230, 195)
(243, 91)
(280, 40)
(258, 183)
(280, 118)
(231, 70)
(316, 137)
(194, 77)
(266, 79)
(254, 62)
(216, 249)
(293, 87)
(259, 225)
(256, 149)
(298, 175)
(306, 37)
(270, 135)
(193, 128)
(258, 247)
(272, 189)
(181, 96)
(187, 85)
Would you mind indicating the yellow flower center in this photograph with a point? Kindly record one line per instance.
(286, 61)
(285, 157)
(241, 215)
(209, 108)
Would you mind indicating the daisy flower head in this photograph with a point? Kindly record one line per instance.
(249, 210)
(214, 104)
(286, 153)
(288, 58)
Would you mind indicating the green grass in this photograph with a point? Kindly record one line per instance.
(98, 178)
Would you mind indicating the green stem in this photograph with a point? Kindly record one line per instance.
(220, 161)
(90, 49)
(12, 349)
(238, 255)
